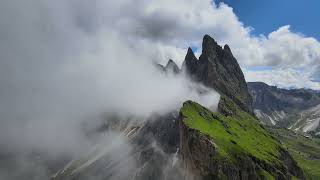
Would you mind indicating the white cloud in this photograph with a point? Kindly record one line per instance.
(283, 77)
(287, 49)
(282, 49)
(64, 62)
(168, 27)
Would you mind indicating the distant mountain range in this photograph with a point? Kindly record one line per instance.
(295, 109)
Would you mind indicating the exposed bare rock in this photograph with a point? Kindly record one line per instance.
(217, 68)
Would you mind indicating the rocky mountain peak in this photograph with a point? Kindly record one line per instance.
(217, 68)
(191, 63)
(172, 67)
(190, 53)
(170, 62)
(210, 46)
(227, 49)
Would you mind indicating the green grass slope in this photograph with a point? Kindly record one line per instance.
(306, 151)
(236, 137)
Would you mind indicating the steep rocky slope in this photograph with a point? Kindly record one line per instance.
(296, 109)
(308, 122)
(215, 146)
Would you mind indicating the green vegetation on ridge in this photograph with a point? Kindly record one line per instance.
(306, 151)
(236, 136)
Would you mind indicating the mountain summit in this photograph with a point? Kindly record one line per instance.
(217, 68)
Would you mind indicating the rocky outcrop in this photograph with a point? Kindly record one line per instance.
(198, 152)
(191, 64)
(170, 68)
(217, 68)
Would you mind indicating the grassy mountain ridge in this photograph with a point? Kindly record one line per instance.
(239, 138)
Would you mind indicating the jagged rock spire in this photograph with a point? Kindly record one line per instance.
(172, 67)
(227, 49)
(191, 63)
(217, 68)
(209, 45)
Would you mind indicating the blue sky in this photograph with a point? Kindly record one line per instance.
(289, 29)
(267, 16)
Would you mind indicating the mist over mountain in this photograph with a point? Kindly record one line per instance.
(143, 90)
(62, 70)
(171, 146)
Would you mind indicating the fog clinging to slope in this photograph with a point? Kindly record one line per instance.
(64, 62)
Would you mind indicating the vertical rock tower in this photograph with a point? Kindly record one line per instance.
(217, 68)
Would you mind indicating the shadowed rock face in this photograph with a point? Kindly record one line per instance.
(217, 68)
(191, 64)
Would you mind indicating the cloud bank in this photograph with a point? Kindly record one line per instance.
(174, 25)
(64, 63)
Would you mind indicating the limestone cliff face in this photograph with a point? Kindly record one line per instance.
(217, 68)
